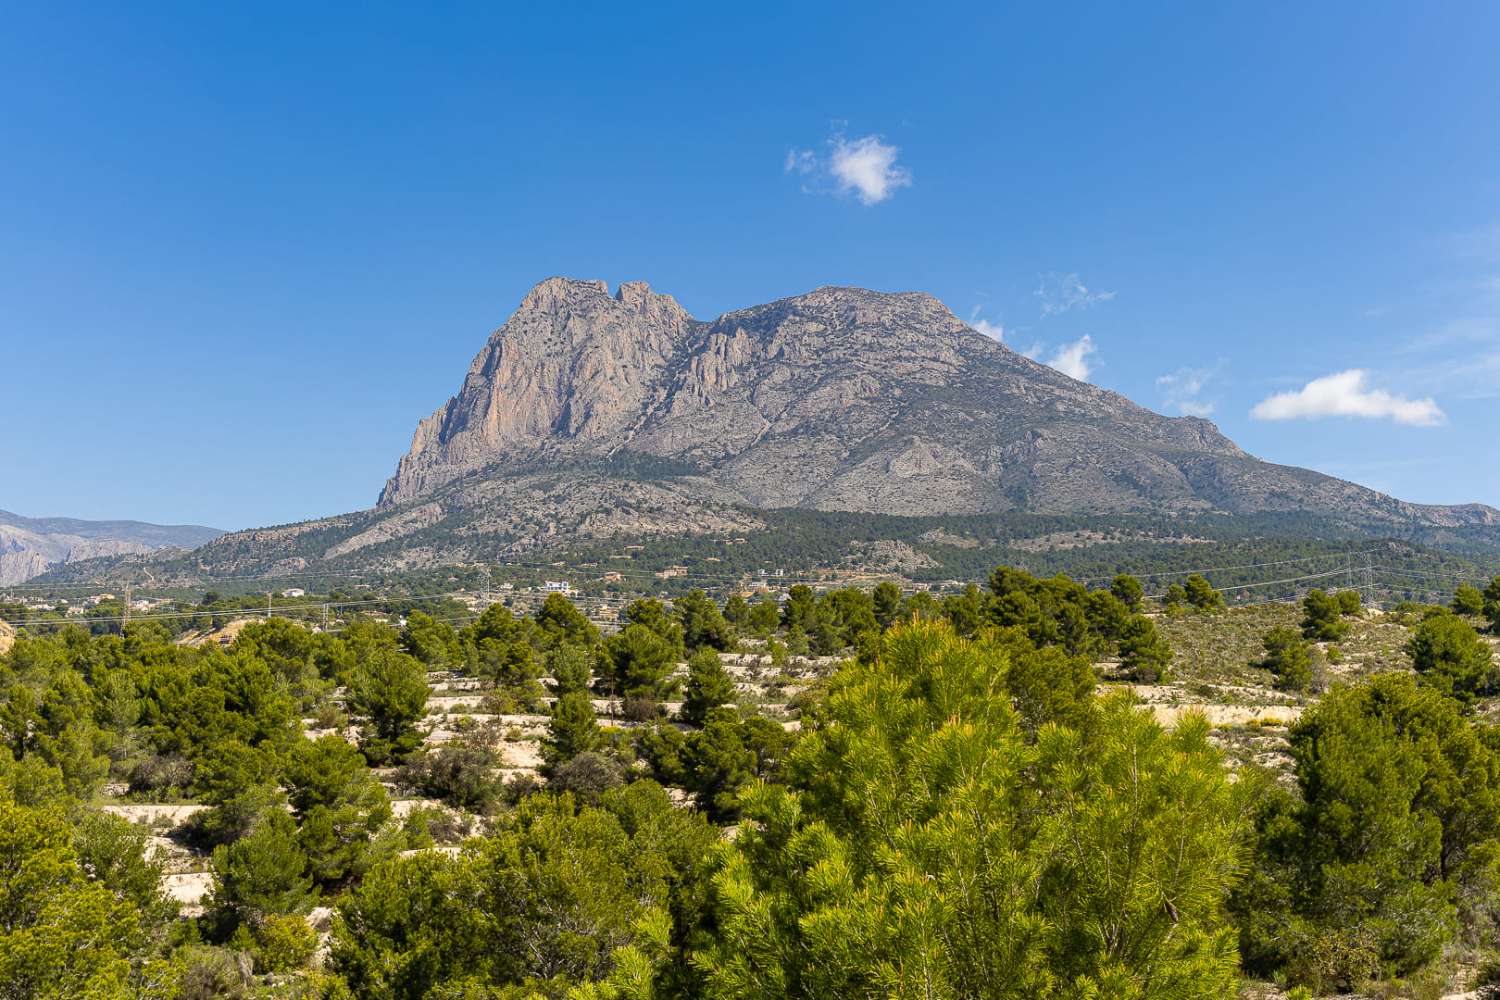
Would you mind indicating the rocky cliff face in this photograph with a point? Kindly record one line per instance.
(840, 399)
(574, 367)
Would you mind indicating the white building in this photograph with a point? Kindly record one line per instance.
(556, 587)
(294, 592)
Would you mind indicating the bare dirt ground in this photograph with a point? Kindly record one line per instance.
(154, 815)
(223, 636)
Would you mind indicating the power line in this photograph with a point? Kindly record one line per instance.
(1269, 583)
(1213, 569)
(252, 611)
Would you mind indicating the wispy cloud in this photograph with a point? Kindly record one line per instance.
(1455, 351)
(1073, 359)
(1182, 390)
(1348, 394)
(984, 326)
(800, 161)
(1469, 374)
(865, 168)
(1060, 293)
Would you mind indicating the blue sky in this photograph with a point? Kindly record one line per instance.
(243, 250)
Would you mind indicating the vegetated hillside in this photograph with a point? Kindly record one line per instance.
(29, 546)
(1259, 556)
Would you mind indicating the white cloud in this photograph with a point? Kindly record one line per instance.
(1072, 359)
(984, 326)
(995, 331)
(865, 167)
(1346, 394)
(1180, 391)
(1062, 292)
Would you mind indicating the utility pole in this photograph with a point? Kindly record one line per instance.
(268, 605)
(484, 598)
(125, 613)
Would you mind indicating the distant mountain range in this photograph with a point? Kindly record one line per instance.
(593, 416)
(30, 546)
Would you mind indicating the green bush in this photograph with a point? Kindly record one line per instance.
(1322, 619)
(1451, 657)
(283, 943)
(1289, 657)
(1360, 877)
(878, 869)
(1201, 594)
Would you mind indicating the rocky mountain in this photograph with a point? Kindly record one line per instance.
(592, 416)
(840, 399)
(31, 546)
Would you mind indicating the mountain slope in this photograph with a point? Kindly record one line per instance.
(30, 546)
(840, 399)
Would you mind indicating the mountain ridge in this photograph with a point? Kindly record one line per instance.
(872, 398)
(31, 546)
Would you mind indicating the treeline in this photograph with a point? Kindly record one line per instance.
(967, 547)
(213, 610)
(1246, 550)
(960, 812)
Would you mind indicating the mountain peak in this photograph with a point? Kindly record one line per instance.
(633, 293)
(549, 293)
(638, 295)
(840, 398)
(557, 294)
(855, 297)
